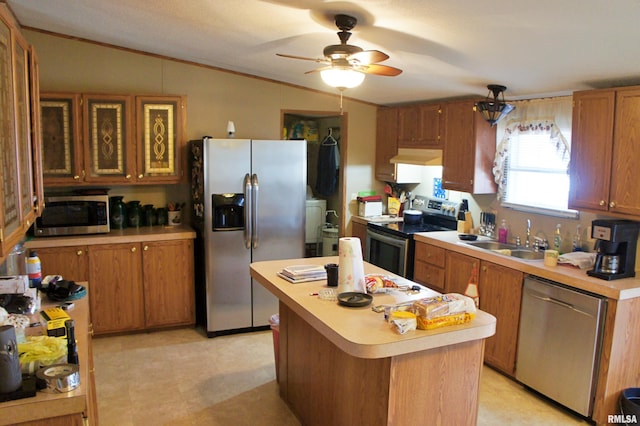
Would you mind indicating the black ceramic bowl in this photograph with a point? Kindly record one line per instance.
(467, 237)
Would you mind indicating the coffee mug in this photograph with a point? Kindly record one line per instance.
(551, 257)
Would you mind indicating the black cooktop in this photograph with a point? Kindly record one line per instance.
(402, 229)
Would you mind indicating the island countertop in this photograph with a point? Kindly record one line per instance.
(361, 332)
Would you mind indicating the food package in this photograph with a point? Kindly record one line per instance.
(444, 310)
(378, 283)
(403, 321)
(40, 351)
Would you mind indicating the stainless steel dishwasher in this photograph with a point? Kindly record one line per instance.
(559, 342)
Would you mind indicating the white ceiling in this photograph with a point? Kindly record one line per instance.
(447, 48)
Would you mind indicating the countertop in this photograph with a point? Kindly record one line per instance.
(378, 219)
(46, 405)
(127, 235)
(626, 288)
(360, 332)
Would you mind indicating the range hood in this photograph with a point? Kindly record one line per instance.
(418, 157)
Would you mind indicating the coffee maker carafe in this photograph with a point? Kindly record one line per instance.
(616, 242)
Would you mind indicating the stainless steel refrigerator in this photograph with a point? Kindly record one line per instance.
(248, 200)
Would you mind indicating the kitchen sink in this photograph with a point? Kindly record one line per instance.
(507, 249)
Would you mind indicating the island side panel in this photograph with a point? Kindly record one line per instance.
(437, 386)
(324, 385)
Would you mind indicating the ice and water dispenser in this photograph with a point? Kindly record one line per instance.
(228, 212)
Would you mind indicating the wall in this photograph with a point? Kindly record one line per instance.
(213, 98)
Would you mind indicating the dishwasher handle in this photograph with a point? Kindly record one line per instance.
(561, 303)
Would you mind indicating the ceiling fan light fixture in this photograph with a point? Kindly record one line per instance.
(342, 77)
(494, 109)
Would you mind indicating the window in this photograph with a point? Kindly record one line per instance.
(532, 159)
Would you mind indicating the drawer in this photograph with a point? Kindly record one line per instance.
(430, 254)
(429, 275)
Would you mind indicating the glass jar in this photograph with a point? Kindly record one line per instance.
(134, 213)
(117, 213)
(150, 218)
(161, 216)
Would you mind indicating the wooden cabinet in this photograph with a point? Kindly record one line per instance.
(419, 126)
(360, 230)
(168, 273)
(386, 143)
(17, 188)
(133, 286)
(605, 132)
(72, 263)
(429, 266)
(500, 295)
(469, 149)
(116, 289)
(91, 139)
(500, 291)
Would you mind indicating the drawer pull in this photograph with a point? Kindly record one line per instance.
(133, 249)
(79, 253)
(146, 248)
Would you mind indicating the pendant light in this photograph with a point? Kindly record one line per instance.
(494, 109)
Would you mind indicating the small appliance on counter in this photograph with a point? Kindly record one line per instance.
(73, 214)
(616, 242)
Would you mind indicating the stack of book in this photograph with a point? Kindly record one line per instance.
(303, 273)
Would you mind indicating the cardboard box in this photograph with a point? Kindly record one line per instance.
(16, 284)
(370, 208)
(55, 319)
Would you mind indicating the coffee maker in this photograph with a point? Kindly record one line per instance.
(616, 242)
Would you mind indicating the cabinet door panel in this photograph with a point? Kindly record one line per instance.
(169, 282)
(386, 143)
(500, 291)
(109, 152)
(624, 196)
(115, 286)
(458, 272)
(72, 263)
(591, 145)
(429, 275)
(61, 144)
(429, 130)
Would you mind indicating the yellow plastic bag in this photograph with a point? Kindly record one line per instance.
(40, 351)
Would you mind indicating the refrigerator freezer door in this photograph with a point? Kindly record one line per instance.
(281, 170)
(226, 257)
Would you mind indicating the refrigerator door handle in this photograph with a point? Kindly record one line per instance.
(247, 211)
(254, 210)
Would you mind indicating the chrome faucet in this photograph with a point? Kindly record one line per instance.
(527, 241)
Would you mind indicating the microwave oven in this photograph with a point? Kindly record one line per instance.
(73, 215)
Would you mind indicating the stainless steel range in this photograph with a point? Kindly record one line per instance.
(391, 245)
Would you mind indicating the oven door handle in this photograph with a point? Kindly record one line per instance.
(394, 241)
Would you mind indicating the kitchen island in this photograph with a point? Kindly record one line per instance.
(341, 365)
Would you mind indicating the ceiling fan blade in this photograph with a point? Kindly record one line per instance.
(318, 69)
(367, 57)
(321, 61)
(382, 70)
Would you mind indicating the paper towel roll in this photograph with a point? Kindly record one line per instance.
(350, 266)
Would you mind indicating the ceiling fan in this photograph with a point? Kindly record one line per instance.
(345, 59)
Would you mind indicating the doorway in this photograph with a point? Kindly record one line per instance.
(324, 195)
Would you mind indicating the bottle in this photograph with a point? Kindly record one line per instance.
(34, 270)
(577, 240)
(503, 232)
(557, 239)
(72, 349)
(472, 286)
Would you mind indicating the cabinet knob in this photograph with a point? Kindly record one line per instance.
(76, 177)
(612, 204)
(127, 177)
(140, 176)
(79, 253)
(602, 202)
(484, 269)
(133, 249)
(146, 248)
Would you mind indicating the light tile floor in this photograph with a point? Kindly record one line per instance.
(180, 377)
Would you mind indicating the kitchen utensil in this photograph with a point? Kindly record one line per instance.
(467, 237)
(354, 299)
(412, 217)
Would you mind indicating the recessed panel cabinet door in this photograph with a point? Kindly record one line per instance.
(10, 224)
(160, 128)
(115, 287)
(109, 155)
(169, 282)
(72, 263)
(61, 143)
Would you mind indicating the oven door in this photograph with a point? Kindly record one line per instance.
(388, 252)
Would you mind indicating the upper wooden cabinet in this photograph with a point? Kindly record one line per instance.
(386, 143)
(419, 126)
(469, 149)
(604, 165)
(18, 188)
(112, 139)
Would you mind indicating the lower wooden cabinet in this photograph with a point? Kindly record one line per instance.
(500, 291)
(360, 230)
(429, 266)
(133, 286)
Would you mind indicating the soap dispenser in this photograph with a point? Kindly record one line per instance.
(503, 232)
